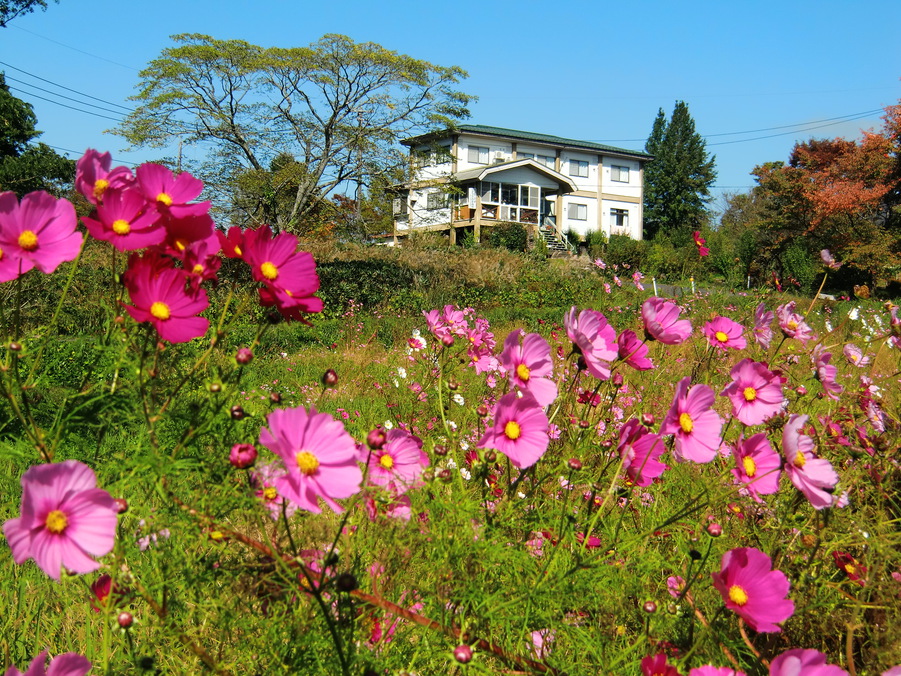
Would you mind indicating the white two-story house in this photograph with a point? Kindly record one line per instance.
(472, 177)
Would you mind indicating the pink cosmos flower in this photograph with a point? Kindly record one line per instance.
(187, 230)
(126, 221)
(793, 324)
(636, 280)
(675, 585)
(757, 466)
(657, 665)
(398, 464)
(38, 232)
(67, 664)
(159, 297)
(826, 372)
(171, 193)
(694, 423)
(715, 671)
(752, 589)
(662, 323)
(594, 338)
(232, 244)
(700, 242)
(641, 451)
(855, 355)
(519, 430)
(392, 506)
(801, 662)
(93, 176)
(264, 478)
(528, 365)
(829, 261)
(724, 333)
(289, 275)
(763, 320)
(755, 392)
(65, 519)
(633, 351)
(542, 642)
(319, 455)
(811, 475)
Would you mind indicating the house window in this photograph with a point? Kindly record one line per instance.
(546, 161)
(436, 200)
(528, 196)
(491, 192)
(525, 156)
(619, 174)
(619, 218)
(578, 168)
(399, 205)
(478, 155)
(578, 212)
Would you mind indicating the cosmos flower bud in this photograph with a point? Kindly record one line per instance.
(376, 439)
(714, 530)
(463, 654)
(244, 356)
(243, 456)
(237, 412)
(125, 619)
(574, 464)
(447, 340)
(330, 378)
(120, 505)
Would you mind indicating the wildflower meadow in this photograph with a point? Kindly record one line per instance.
(706, 485)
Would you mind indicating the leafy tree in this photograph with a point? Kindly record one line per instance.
(678, 180)
(11, 9)
(330, 113)
(26, 166)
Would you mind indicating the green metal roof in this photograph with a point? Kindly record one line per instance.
(525, 136)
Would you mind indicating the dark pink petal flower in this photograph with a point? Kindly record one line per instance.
(753, 590)
(763, 320)
(263, 478)
(37, 233)
(171, 194)
(641, 451)
(319, 455)
(67, 664)
(398, 463)
(633, 351)
(159, 297)
(662, 323)
(855, 355)
(715, 671)
(232, 243)
(826, 372)
(758, 466)
(657, 665)
(93, 176)
(528, 365)
(755, 392)
(801, 662)
(65, 519)
(594, 338)
(694, 423)
(519, 430)
(793, 324)
(724, 333)
(811, 475)
(126, 221)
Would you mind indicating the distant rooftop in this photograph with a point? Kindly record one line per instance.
(524, 136)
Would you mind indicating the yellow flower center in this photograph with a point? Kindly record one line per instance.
(307, 463)
(121, 227)
(686, 423)
(197, 269)
(238, 251)
(737, 595)
(160, 311)
(181, 244)
(750, 466)
(855, 358)
(386, 461)
(100, 186)
(28, 240)
(799, 460)
(165, 199)
(269, 493)
(268, 270)
(1, 254)
(792, 325)
(850, 569)
(512, 430)
(722, 337)
(56, 522)
(522, 372)
(750, 394)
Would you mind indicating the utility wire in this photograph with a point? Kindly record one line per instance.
(56, 84)
(63, 44)
(64, 105)
(62, 96)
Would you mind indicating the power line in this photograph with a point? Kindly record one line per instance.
(56, 84)
(75, 49)
(788, 133)
(81, 152)
(64, 105)
(62, 96)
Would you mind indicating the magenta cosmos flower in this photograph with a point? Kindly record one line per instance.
(724, 333)
(715, 671)
(93, 176)
(594, 339)
(126, 221)
(528, 365)
(519, 430)
(855, 355)
(159, 297)
(319, 455)
(398, 464)
(170, 193)
(763, 320)
(752, 589)
(694, 423)
(640, 451)
(826, 372)
(801, 662)
(67, 664)
(38, 232)
(65, 519)
(793, 324)
(656, 665)
(633, 351)
(662, 323)
(811, 475)
(755, 392)
(758, 466)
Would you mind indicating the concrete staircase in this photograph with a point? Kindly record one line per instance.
(556, 247)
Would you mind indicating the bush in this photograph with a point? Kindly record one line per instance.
(510, 236)
(799, 264)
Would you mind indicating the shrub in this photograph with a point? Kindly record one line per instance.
(510, 236)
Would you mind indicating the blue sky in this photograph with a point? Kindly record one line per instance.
(780, 71)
